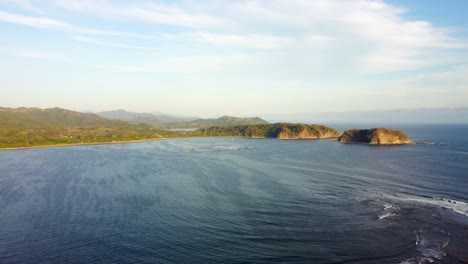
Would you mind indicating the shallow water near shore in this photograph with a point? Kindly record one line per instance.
(223, 200)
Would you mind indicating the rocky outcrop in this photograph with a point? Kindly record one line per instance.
(375, 136)
(307, 133)
(276, 130)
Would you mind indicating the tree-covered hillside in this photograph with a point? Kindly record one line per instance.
(160, 120)
(27, 127)
(167, 121)
(222, 121)
(277, 130)
(22, 127)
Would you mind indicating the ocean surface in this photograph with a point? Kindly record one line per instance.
(223, 200)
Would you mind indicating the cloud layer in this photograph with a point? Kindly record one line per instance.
(377, 35)
(325, 46)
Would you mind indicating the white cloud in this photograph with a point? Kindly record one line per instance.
(454, 79)
(27, 5)
(111, 44)
(256, 41)
(155, 12)
(317, 41)
(171, 15)
(40, 55)
(445, 88)
(226, 40)
(38, 22)
(362, 36)
(378, 36)
(53, 24)
(188, 65)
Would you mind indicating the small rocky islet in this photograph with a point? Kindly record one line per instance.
(375, 136)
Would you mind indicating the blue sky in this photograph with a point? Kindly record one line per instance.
(210, 58)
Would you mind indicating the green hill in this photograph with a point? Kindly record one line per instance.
(222, 121)
(277, 130)
(33, 117)
(22, 127)
(160, 120)
(167, 121)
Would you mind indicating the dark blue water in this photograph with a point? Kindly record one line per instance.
(238, 201)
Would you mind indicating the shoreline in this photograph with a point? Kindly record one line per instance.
(106, 143)
(84, 144)
(140, 141)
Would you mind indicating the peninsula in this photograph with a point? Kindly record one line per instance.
(277, 130)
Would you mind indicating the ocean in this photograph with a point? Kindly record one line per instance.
(235, 200)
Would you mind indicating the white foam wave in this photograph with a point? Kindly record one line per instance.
(382, 216)
(218, 149)
(388, 210)
(454, 205)
(231, 148)
(430, 245)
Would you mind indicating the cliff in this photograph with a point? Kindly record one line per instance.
(308, 132)
(375, 136)
(277, 130)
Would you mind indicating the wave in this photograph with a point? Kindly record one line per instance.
(382, 216)
(218, 149)
(231, 148)
(388, 210)
(431, 246)
(454, 205)
(387, 206)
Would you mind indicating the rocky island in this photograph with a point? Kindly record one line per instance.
(375, 136)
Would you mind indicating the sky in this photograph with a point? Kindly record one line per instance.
(243, 58)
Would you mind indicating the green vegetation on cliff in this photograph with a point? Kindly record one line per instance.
(277, 130)
(375, 136)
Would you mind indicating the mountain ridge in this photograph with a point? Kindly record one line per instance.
(158, 119)
(221, 121)
(168, 121)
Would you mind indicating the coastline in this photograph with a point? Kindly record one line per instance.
(84, 144)
(106, 143)
(141, 141)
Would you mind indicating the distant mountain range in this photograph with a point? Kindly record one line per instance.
(22, 117)
(155, 119)
(222, 121)
(170, 121)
